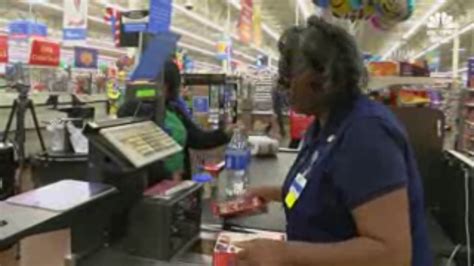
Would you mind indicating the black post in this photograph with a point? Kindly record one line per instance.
(9, 122)
(37, 127)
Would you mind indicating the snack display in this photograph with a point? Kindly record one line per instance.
(244, 206)
(383, 68)
(225, 251)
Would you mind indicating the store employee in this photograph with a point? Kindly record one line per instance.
(353, 196)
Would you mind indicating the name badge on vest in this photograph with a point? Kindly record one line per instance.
(296, 188)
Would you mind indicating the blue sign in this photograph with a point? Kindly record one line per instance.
(22, 29)
(135, 27)
(86, 58)
(158, 50)
(76, 34)
(200, 104)
(160, 16)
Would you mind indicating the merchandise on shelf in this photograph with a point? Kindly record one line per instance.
(383, 68)
(404, 69)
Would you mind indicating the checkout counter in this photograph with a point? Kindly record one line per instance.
(263, 171)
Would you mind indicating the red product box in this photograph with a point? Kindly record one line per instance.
(225, 251)
(244, 206)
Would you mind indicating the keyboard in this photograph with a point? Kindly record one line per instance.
(141, 143)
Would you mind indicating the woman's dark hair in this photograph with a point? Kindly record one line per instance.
(330, 51)
(172, 79)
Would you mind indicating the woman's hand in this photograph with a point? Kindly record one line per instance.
(266, 193)
(261, 252)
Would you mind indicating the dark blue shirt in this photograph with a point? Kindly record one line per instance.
(361, 154)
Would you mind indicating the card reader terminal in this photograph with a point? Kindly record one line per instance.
(141, 143)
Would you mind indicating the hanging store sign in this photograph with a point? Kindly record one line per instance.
(470, 73)
(224, 48)
(75, 21)
(45, 53)
(135, 20)
(3, 49)
(245, 21)
(160, 16)
(86, 58)
(257, 25)
(24, 29)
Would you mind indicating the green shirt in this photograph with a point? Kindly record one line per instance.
(178, 132)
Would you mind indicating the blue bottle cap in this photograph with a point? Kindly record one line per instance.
(202, 178)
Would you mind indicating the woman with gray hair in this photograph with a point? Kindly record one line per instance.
(353, 196)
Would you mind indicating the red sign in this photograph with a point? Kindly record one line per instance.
(246, 21)
(3, 49)
(45, 53)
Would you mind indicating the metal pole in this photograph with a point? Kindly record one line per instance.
(297, 14)
(456, 44)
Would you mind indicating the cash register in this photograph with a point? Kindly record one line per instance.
(145, 226)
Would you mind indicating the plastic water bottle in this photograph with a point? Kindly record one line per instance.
(237, 160)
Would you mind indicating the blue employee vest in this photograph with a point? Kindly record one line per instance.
(362, 153)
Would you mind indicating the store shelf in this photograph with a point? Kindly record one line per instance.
(382, 82)
(262, 112)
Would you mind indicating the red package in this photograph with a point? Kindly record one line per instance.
(225, 252)
(244, 206)
(299, 123)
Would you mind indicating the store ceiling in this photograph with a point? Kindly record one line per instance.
(206, 24)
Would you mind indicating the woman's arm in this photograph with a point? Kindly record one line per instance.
(201, 139)
(384, 239)
(268, 193)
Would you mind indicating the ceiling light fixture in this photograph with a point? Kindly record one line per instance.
(303, 9)
(421, 22)
(449, 39)
(414, 29)
(395, 47)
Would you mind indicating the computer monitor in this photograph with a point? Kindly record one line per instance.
(149, 91)
(144, 91)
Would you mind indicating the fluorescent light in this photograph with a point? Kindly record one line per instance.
(270, 32)
(414, 29)
(432, 47)
(251, 58)
(392, 50)
(194, 36)
(303, 9)
(447, 40)
(421, 22)
(197, 49)
(205, 64)
(198, 18)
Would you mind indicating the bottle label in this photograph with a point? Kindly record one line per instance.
(236, 161)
